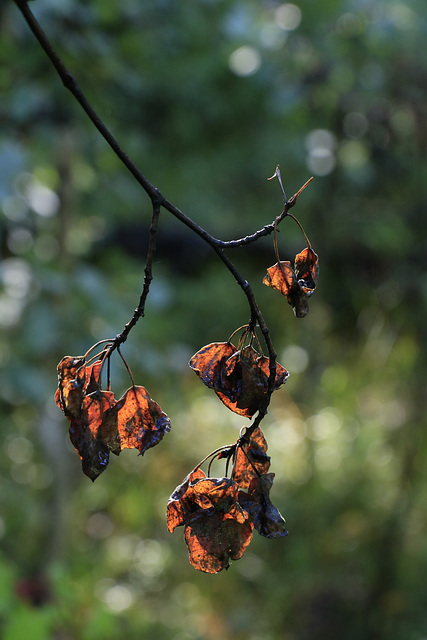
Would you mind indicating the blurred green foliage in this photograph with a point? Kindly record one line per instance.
(207, 97)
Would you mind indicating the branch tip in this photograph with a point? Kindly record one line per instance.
(277, 172)
(292, 200)
(278, 175)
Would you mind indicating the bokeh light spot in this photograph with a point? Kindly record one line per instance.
(99, 526)
(353, 154)
(43, 200)
(19, 449)
(19, 240)
(355, 125)
(16, 277)
(288, 16)
(296, 358)
(245, 61)
(118, 598)
(320, 145)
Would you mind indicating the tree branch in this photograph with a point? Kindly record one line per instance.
(158, 201)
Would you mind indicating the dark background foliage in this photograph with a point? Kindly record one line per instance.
(207, 97)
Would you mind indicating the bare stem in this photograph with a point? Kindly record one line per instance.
(278, 175)
(148, 276)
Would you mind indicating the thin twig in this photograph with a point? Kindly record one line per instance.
(278, 175)
(148, 276)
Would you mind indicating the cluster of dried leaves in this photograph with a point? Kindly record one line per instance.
(218, 514)
(98, 422)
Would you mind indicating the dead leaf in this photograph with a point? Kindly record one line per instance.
(238, 377)
(217, 529)
(99, 423)
(213, 541)
(251, 460)
(267, 519)
(177, 509)
(141, 423)
(296, 284)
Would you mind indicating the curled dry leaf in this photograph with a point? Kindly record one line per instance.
(71, 383)
(217, 529)
(215, 539)
(178, 510)
(219, 514)
(267, 519)
(239, 377)
(86, 433)
(296, 284)
(99, 423)
(251, 459)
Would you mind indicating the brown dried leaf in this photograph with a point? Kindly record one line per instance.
(71, 382)
(209, 362)
(297, 285)
(245, 383)
(86, 433)
(251, 460)
(267, 519)
(133, 422)
(213, 541)
(178, 509)
(141, 423)
(218, 494)
(217, 529)
(99, 424)
(307, 270)
(281, 276)
(238, 377)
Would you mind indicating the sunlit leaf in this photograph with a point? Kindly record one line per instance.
(251, 460)
(245, 382)
(71, 382)
(296, 284)
(141, 423)
(99, 423)
(213, 540)
(238, 377)
(307, 270)
(106, 425)
(217, 529)
(177, 509)
(210, 361)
